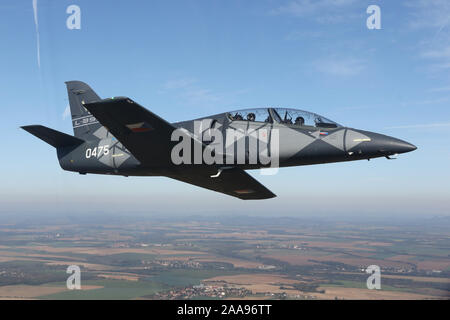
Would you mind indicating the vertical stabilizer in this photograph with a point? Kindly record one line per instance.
(85, 125)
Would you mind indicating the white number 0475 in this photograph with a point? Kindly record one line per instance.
(97, 151)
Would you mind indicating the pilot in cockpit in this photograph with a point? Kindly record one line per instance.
(251, 116)
(299, 121)
(237, 116)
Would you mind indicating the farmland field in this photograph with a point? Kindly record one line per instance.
(221, 258)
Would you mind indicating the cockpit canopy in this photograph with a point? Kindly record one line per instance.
(284, 116)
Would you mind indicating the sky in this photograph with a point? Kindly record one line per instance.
(188, 59)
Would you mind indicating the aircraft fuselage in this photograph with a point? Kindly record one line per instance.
(117, 136)
(297, 147)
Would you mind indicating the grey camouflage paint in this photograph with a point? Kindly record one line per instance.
(298, 145)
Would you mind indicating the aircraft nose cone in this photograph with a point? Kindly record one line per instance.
(371, 143)
(399, 146)
(389, 145)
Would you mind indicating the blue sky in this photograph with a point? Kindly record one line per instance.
(185, 59)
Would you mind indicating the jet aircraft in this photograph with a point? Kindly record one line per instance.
(117, 136)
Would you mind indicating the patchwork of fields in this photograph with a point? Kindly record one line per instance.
(220, 258)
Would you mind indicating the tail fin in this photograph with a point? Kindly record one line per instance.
(53, 137)
(85, 125)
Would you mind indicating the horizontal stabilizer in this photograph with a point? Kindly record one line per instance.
(52, 137)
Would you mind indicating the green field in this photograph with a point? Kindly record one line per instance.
(113, 290)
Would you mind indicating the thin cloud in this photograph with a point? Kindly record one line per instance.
(301, 8)
(66, 113)
(201, 96)
(432, 16)
(191, 92)
(194, 94)
(36, 23)
(179, 83)
(421, 126)
(323, 11)
(438, 58)
(340, 66)
(304, 34)
(429, 14)
(426, 102)
(441, 89)
(442, 53)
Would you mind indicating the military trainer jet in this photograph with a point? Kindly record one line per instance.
(117, 136)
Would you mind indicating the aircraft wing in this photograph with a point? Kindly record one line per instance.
(143, 133)
(231, 181)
